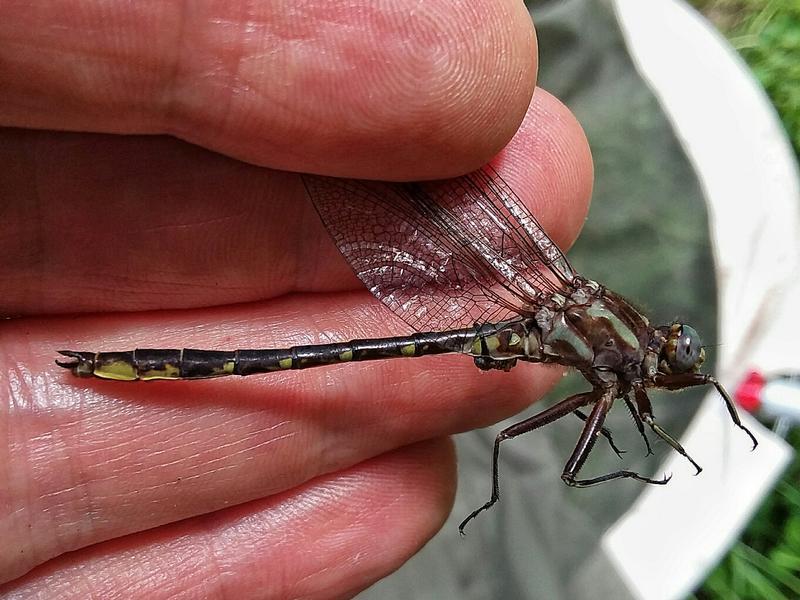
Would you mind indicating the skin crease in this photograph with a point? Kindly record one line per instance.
(311, 484)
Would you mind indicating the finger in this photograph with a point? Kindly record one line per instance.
(118, 223)
(341, 88)
(328, 539)
(89, 460)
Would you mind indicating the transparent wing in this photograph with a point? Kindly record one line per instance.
(443, 254)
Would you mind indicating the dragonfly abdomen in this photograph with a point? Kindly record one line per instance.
(148, 364)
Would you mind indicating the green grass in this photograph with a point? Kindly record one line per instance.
(767, 35)
(765, 563)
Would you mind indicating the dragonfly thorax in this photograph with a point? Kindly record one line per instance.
(595, 331)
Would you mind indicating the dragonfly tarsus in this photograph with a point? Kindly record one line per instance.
(572, 482)
(549, 415)
(679, 381)
(645, 413)
(731, 408)
(659, 431)
(604, 399)
(603, 431)
(639, 424)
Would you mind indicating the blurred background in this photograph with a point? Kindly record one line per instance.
(766, 33)
(765, 562)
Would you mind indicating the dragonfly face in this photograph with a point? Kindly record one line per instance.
(683, 351)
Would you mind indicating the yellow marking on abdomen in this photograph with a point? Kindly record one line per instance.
(119, 370)
(168, 372)
(408, 350)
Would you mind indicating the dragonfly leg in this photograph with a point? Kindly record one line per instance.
(639, 425)
(586, 442)
(671, 441)
(603, 431)
(646, 410)
(679, 381)
(539, 420)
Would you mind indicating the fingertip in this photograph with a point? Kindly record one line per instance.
(330, 537)
(393, 91)
(383, 89)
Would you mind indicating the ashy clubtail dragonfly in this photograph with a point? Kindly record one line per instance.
(469, 268)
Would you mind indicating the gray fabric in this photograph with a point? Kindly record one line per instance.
(646, 238)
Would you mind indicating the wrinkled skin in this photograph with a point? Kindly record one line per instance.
(311, 484)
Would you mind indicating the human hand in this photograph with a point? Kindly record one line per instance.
(311, 483)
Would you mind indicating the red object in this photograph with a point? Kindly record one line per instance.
(748, 394)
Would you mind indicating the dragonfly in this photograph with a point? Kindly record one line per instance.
(469, 268)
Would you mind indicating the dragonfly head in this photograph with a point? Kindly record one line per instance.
(683, 352)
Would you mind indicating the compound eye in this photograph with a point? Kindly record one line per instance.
(689, 352)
